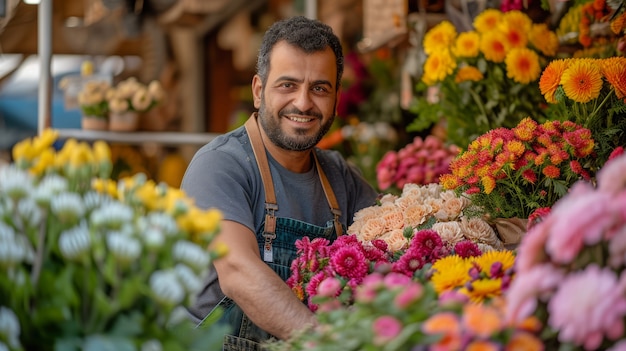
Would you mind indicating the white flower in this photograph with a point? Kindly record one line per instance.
(93, 199)
(6, 232)
(191, 254)
(152, 345)
(14, 248)
(15, 182)
(49, 187)
(153, 237)
(10, 326)
(29, 213)
(3, 347)
(123, 247)
(141, 99)
(112, 215)
(166, 287)
(188, 278)
(67, 206)
(75, 242)
(163, 222)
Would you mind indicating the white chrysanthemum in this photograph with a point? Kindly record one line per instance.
(179, 314)
(10, 326)
(152, 345)
(29, 214)
(191, 254)
(166, 287)
(188, 278)
(28, 252)
(49, 187)
(123, 247)
(112, 215)
(75, 242)
(153, 237)
(15, 182)
(67, 206)
(12, 250)
(164, 222)
(6, 232)
(3, 347)
(93, 199)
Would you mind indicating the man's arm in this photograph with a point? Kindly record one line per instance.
(255, 287)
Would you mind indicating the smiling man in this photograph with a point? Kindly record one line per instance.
(274, 187)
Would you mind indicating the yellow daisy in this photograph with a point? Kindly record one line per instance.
(487, 259)
(487, 20)
(522, 65)
(440, 37)
(466, 44)
(494, 46)
(483, 289)
(582, 81)
(545, 40)
(517, 19)
(438, 66)
(450, 272)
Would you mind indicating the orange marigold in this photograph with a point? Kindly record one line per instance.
(551, 171)
(582, 80)
(468, 73)
(487, 20)
(522, 65)
(489, 183)
(523, 341)
(614, 70)
(551, 79)
(545, 40)
(494, 46)
(466, 44)
(619, 23)
(449, 181)
(525, 129)
(516, 147)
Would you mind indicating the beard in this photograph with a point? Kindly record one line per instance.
(297, 142)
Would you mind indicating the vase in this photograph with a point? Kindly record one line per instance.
(93, 123)
(123, 121)
(510, 230)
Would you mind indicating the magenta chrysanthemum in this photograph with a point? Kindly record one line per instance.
(349, 262)
(467, 249)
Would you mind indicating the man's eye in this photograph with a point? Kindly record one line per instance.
(319, 89)
(287, 85)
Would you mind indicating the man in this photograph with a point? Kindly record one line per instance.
(273, 187)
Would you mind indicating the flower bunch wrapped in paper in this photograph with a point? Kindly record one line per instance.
(510, 173)
(591, 93)
(420, 162)
(89, 263)
(485, 78)
(570, 269)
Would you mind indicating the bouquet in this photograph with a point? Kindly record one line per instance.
(591, 93)
(87, 263)
(579, 247)
(510, 173)
(486, 78)
(420, 162)
(132, 95)
(92, 99)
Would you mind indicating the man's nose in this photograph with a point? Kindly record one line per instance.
(303, 100)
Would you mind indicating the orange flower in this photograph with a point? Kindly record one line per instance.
(522, 65)
(515, 36)
(449, 181)
(614, 70)
(437, 66)
(445, 323)
(440, 37)
(524, 342)
(544, 39)
(466, 44)
(481, 345)
(524, 130)
(619, 23)
(551, 171)
(489, 183)
(551, 79)
(582, 80)
(487, 20)
(494, 46)
(468, 73)
(481, 320)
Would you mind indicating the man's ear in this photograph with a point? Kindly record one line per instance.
(257, 90)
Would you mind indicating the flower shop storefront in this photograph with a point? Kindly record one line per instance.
(501, 221)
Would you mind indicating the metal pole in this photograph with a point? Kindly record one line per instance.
(311, 9)
(44, 49)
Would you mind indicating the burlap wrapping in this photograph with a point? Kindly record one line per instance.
(510, 230)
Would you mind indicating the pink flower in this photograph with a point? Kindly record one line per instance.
(466, 249)
(612, 176)
(408, 295)
(596, 309)
(349, 262)
(329, 287)
(393, 280)
(528, 287)
(385, 328)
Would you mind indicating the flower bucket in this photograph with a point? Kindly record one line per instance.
(510, 230)
(124, 121)
(93, 123)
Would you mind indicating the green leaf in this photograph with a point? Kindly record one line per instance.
(108, 343)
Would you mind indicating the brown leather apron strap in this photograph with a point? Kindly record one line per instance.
(330, 195)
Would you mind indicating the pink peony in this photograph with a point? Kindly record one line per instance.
(527, 287)
(587, 306)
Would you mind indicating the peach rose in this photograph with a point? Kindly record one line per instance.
(478, 230)
(416, 214)
(371, 229)
(395, 240)
(450, 232)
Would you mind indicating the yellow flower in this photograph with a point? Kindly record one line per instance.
(208, 221)
(515, 36)
(45, 161)
(517, 19)
(467, 44)
(450, 272)
(614, 70)
(438, 66)
(487, 20)
(101, 151)
(545, 40)
(45, 140)
(522, 65)
(582, 81)
(63, 156)
(105, 186)
(81, 155)
(494, 46)
(23, 151)
(148, 194)
(489, 183)
(487, 259)
(483, 289)
(440, 37)
(468, 73)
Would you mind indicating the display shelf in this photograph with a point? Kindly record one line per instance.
(163, 138)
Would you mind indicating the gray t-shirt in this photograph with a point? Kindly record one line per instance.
(223, 174)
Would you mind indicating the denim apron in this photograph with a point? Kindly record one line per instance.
(276, 245)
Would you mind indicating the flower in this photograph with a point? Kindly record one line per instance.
(509, 173)
(591, 93)
(579, 246)
(132, 95)
(83, 257)
(92, 98)
(420, 162)
(485, 78)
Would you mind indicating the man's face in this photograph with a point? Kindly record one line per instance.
(297, 104)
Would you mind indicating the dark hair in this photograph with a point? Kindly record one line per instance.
(304, 33)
